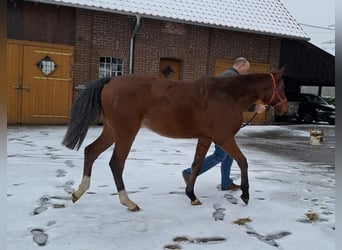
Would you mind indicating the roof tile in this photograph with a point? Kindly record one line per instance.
(259, 16)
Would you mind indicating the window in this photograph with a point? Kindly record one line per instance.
(110, 66)
(46, 65)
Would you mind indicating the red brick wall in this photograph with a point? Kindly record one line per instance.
(157, 39)
(107, 34)
(225, 44)
(99, 34)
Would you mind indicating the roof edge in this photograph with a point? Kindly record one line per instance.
(208, 25)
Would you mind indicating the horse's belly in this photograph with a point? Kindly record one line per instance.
(172, 128)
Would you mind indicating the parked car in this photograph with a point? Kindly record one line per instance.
(314, 108)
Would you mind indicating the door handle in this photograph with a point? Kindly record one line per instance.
(21, 87)
(25, 88)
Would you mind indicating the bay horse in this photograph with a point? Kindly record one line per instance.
(209, 109)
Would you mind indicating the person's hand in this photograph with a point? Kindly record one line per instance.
(260, 108)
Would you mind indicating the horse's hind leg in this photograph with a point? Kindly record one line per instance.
(202, 147)
(91, 152)
(123, 144)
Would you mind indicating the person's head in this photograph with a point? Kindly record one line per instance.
(241, 65)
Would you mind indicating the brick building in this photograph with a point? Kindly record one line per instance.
(78, 41)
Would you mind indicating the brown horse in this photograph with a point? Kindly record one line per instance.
(209, 109)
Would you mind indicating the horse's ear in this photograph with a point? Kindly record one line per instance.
(278, 73)
(281, 71)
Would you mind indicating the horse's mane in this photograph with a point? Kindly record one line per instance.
(236, 86)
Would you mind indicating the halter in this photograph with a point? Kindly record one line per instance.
(275, 93)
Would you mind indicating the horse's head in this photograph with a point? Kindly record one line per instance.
(276, 96)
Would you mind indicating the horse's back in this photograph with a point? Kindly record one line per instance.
(145, 90)
(134, 92)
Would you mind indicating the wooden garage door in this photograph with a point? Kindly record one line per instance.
(222, 64)
(39, 83)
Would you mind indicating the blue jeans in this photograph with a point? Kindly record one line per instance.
(210, 161)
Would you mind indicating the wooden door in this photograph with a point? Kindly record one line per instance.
(169, 68)
(14, 81)
(222, 64)
(44, 88)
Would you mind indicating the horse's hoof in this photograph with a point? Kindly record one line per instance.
(245, 200)
(196, 202)
(134, 209)
(74, 198)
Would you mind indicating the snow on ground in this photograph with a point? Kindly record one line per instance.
(292, 204)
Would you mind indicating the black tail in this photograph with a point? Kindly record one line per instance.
(84, 112)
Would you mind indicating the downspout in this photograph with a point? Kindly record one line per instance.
(131, 47)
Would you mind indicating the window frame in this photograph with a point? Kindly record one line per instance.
(110, 66)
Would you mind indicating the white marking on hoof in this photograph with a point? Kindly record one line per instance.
(125, 200)
(196, 202)
(84, 186)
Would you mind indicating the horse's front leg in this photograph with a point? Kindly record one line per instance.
(244, 180)
(231, 148)
(202, 147)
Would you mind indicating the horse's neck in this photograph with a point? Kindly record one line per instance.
(250, 92)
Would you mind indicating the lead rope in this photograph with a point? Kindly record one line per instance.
(249, 121)
(252, 118)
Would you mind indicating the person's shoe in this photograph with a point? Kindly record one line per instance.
(185, 177)
(232, 187)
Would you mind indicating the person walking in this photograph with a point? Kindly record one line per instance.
(240, 67)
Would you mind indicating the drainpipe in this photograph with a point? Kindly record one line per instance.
(131, 47)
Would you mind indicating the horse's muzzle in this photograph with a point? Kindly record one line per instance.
(281, 108)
